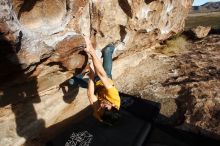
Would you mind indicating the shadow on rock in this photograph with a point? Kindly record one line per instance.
(20, 92)
(69, 91)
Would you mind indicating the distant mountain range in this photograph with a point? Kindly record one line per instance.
(207, 7)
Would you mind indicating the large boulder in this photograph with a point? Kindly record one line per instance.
(201, 31)
(42, 48)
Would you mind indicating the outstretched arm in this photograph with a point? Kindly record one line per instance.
(98, 65)
(90, 92)
(91, 87)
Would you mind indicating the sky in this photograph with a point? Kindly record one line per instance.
(200, 2)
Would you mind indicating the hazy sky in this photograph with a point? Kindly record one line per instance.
(200, 2)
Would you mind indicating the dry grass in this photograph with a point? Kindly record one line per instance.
(173, 46)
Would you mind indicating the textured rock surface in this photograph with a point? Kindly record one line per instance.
(201, 31)
(41, 48)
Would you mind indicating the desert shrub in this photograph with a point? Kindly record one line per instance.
(173, 46)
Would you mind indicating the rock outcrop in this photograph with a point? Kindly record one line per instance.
(42, 48)
(201, 31)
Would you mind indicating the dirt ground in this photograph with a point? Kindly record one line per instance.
(185, 83)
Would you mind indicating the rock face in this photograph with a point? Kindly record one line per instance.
(42, 48)
(201, 31)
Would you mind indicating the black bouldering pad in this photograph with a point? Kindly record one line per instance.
(136, 127)
(128, 131)
(131, 129)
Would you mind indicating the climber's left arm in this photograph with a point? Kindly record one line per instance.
(91, 87)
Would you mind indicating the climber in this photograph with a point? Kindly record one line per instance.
(102, 94)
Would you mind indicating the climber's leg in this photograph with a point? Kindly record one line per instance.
(107, 59)
(78, 80)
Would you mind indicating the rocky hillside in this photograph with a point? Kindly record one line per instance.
(207, 7)
(41, 48)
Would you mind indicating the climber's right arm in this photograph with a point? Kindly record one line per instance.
(98, 65)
